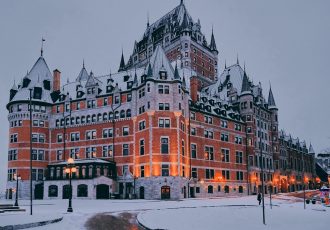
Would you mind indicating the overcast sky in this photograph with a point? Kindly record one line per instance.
(282, 42)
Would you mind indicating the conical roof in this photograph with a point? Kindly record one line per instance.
(213, 46)
(83, 75)
(271, 101)
(245, 85)
(311, 149)
(122, 63)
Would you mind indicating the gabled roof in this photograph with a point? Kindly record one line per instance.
(159, 61)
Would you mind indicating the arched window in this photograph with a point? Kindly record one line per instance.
(122, 114)
(52, 191)
(72, 120)
(83, 120)
(99, 117)
(62, 122)
(116, 115)
(226, 189)
(67, 121)
(57, 123)
(128, 113)
(110, 115)
(82, 190)
(105, 116)
(77, 120)
(210, 189)
(88, 119)
(93, 118)
(240, 189)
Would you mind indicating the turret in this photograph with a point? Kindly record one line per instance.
(271, 101)
(213, 45)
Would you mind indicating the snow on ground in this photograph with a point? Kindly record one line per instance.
(185, 214)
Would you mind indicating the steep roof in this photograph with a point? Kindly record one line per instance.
(271, 101)
(213, 46)
(159, 61)
(246, 89)
(83, 75)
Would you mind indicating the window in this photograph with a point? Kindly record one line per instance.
(142, 147)
(129, 97)
(193, 151)
(209, 173)
(38, 155)
(13, 138)
(116, 100)
(238, 140)
(192, 116)
(10, 175)
(125, 131)
(107, 151)
(163, 89)
(75, 136)
(78, 105)
(105, 101)
(90, 152)
(208, 119)
(164, 106)
(224, 124)
(226, 174)
(142, 125)
(106, 133)
(141, 109)
(12, 155)
(164, 145)
(225, 155)
(238, 127)
(165, 170)
(193, 131)
(91, 104)
(164, 123)
(224, 137)
(125, 149)
(37, 174)
(40, 138)
(59, 154)
(74, 153)
(141, 92)
(208, 134)
(182, 148)
(142, 171)
(210, 189)
(239, 175)
(59, 138)
(209, 155)
(90, 134)
(194, 172)
(239, 157)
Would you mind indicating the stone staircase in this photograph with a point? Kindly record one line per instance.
(10, 208)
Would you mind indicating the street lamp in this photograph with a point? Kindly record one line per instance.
(305, 180)
(17, 177)
(70, 169)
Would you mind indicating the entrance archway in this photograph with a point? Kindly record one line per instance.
(165, 192)
(141, 192)
(102, 191)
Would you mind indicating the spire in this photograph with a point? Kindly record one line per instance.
(271, 101)
(148, 20)
(225, 64)
(42, 46)
(181, 2)
(244, 67)
(185, 23)
(122, 62)
(213, 46)
(83, 63)
(245, 85)
(176, 72)
(237, 61)
(311, 149)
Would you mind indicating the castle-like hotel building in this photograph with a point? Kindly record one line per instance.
(167, 125)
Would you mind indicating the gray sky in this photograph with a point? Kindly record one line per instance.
(282, 42)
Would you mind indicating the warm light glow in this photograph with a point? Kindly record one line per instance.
(67, 170)
(292, 180)
(306, 179)
(70, 161)
(220, 178)
(73, 170)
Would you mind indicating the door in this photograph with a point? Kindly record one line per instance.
(184, 192)
(39, 191)
(141, 192)
(102, 191)
(66, 192)
(165, 192)
(192, 192)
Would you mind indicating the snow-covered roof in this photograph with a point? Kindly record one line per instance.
(82, 161)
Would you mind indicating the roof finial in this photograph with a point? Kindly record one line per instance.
(225, 64)
(244, 66)
(42, 46)
(237, 62)
(83, 63)
(148, 19)
(181, 2)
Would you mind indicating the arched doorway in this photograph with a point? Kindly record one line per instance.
(102, 191)
(165, 192)
(52, 191)
(226, 189)
(39, 191)
(82, 190)
(66, 192)
(141, 192)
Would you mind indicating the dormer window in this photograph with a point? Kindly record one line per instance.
(47, 84)
(129, 85)
(91, 90)
(37, 92)
(163, 75)
(109, 88)
(26, 82)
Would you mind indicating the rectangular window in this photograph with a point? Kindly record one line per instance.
(209, 173)
(90, 152)
(107, 151)
(226, 174)
(142, 125)
(164, 123)
(209, 155)
(59, 154)
(238, 127)
(225, 155)
(90, 134)
(208, 119)
(193, 151)
(193, 131)
(13, 138)
(192, 116)
(239, 157)
(129, 97)
(239, 175)
(164, 106)
(194, 172)
(142, 147)
(142, 170)
(238, 140)
(165, 170)
(59, 138)
(91, 104)
(208, 134)
(105, 101)
(117, 99)
(164, 145)
(74, 153)
(141, 92)
(224, 137)
(106, 133)
(12, 155)
(75, 136)
(125, 131)
(125, 149)
(224, 124)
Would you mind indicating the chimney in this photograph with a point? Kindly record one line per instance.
(56, 80)
(195, 86)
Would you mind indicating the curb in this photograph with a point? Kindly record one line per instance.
(143, 226)
(30, 225)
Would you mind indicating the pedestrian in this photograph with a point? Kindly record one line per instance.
(259, 198)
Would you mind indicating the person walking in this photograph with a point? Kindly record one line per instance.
(259, 198)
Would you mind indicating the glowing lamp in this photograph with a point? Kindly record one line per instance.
(70, 161)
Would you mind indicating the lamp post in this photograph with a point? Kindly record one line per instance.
(304, 181)
(270, 194)
(30, 105)
(70, 169)
(17, 177)
(64, 125)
